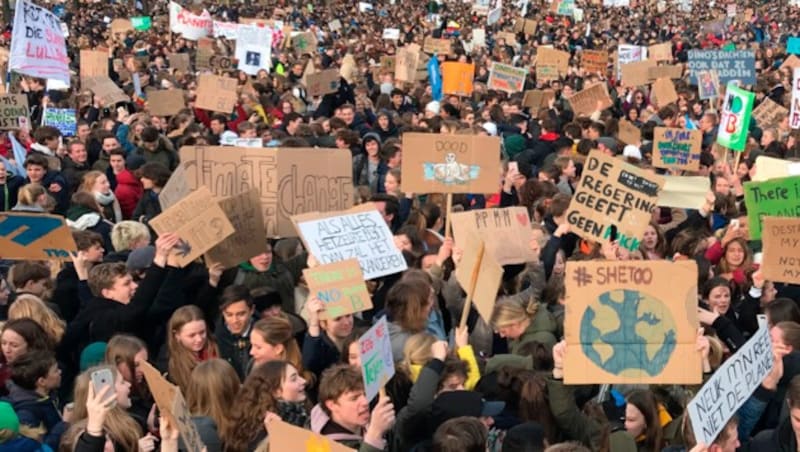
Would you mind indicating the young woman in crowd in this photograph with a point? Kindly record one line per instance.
(188, 344)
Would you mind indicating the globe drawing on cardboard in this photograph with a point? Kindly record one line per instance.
(628, 333)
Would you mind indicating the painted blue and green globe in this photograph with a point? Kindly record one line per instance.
(628, 333)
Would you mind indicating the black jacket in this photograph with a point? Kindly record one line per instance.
(73, 172)
(234, 348)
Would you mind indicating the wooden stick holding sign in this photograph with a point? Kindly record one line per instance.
(447, 233)
(479, 275)
(473, 281)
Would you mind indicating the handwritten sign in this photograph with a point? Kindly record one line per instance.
(773, 198)
(104, 88)
(93, 63)
(537, 98)
(664, 91)
(198, 221)
(735, 118)
(594, 61)
(340, 286)
(437, 46)
(506, 232)
(457, 78)
(62, 119)
(769, 113)
(671, 71)
(794, 112)
(677, 148)
(631, 322)
(683, 192)
(730, 387)
(773, 168)
(636, 73)
(730, 65)
(216, 93)
(660, 52)
(245, 214)
(627, 53)
(165, 102)
(479, 274)
(434, 163)
(170, 401)
(13, 107)
(613, 201)
(377, 363)
(35, 236)
(781, 242)
(323, 82)
(289, 181)
(504, 77)
(391, 33)
(585, 101)
(629, 133)
(286, 437)
(359, 233)
(546, 72)
(547, 55)
(38, 47)
(253, 48)
(188, 24)
(406, 63)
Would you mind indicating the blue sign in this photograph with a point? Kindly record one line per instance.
(793, 46)
(730, 65)
(62, 119)
(35, 236)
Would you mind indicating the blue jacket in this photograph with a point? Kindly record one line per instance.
(36, 411)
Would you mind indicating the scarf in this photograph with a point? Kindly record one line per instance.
(294, 413)
(109, 199)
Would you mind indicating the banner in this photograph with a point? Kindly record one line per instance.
(457, 78)
(506, 232)
(772, 198)
(613, 201)
(228, 30)
(377, 362)
(38, 47)
(735, 119)
(141, 23)
(188, 24)
(62, 119)
(730, 65)
(340, 287)
(435, 163)
(359, 233)
(730, 386)
(781, 246)
(13, 107)
(254, 48)
(504, 77)
(677, 148)
(26, 236)
(631, 322)
(794, 112)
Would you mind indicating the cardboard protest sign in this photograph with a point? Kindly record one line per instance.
(208, 59)
(388, 63)
(664, 91)
(546, 72)
(13, 107)
(772, 168)
(434, 163)
(340, 286)
(302, 43)
(636, 73)
(358, 233)
(791, 62)
(506, 232)
(677, 148)
(170, 401)
(509, 38)
(377, 362)
(708, 84)
(63, 119)
(629, 133)
(26, 236)
(198, 221)
(594, 61)
(179, 61)
(667, 71)
(526, 26)
(547, 55)
(93, 62)
(245, 214)
(730, 65)
(730, 387)
(457, 78)
(735, 119)
(585, 101)
(120, 26)
(324, 82)
(660, 52)
(613, 201)
(479, 37)
(216, 93)
(536, 98)
(437, 46)
(794, 112)
(286, 437)
(781, 246)
(289, 181)
(772, 198)
(627, 53)
(684, 192)
(769, 113)
(504, 77)
(254, 48)
(104, 88)
(479, 274)
(38, 47)
(335, 25)
(406, 63)
(631, 322)
(165, 102)
(191, 26)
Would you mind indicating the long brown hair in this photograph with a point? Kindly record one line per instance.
(276, 330)
(406, 304)
(122, 349)
(182, 361)
(214, 385)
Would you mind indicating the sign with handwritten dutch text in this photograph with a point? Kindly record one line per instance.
(677, 148)
(377, 362)
(13, 107)
(504, 77)
(613, 201)
(781, 243)
(773, 198)
(62, 119)
(340, 287)
(730, 65)
(38, 47)
(189, 25)
(506, 232)
(631, 322)
(359, 233)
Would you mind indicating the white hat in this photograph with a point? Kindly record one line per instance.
(632, 151)
(490, 128)
(433, 107)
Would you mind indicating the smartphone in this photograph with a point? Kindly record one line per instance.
(735, 223)
(513, 167)
(102, 378)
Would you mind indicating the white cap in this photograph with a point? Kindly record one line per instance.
(433, 107)
(632, 151)
(490, 128)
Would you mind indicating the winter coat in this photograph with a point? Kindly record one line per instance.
(128, 191)
(36, 411)
(322, 424)
(164, 154)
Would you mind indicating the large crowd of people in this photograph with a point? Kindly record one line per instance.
(248, 345)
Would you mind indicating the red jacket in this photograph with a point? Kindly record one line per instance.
(128, 192)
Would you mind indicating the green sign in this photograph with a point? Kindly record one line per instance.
(735, 120)
(141, 23)
(772, 198)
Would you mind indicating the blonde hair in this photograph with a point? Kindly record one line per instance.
(123, 430)
(34, 308)
(214, 386)
(509, 311)
(29, 194)
(182, 361)
(417, 350)
(126, 233)
(88, 181)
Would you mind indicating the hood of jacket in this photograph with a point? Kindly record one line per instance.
(43, 149)
(319, 420)
(82, 218)
(17, 394)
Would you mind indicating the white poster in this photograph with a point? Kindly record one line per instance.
(627, 53)
(189, 25)
(228, 30)
(254, 48)
(38, 47)
(794, 114)
(494, 16)
(391, 33)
